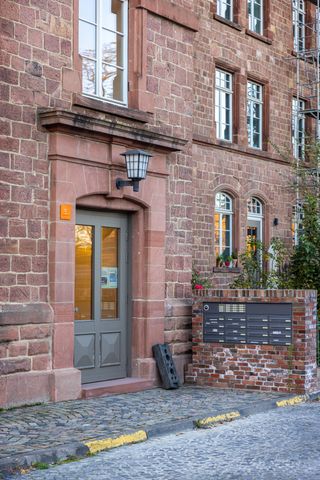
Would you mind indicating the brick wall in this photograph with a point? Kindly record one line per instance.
(178, 332)
(170, 79)
(232, 166)
(36, 40)
(258, 367)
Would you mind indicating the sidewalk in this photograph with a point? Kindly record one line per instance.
(52, 432)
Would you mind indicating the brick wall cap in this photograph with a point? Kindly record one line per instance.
(240, 294)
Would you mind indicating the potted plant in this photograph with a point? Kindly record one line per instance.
(234, 256)
(219, 261)
(228, 261)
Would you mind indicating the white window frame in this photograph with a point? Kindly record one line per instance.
(252, 4)
(297, 222)
(299, 25)
(221, 212)
(98, 58)
(222, 6)
(222, 92)
(298, 128)
(254, 100)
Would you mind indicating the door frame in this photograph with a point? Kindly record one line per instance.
(80, 218)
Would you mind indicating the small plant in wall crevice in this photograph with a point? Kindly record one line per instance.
(198, 282)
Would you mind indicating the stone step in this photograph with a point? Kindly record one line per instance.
(114, 387)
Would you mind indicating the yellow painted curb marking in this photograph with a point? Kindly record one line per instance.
(292, 401)
(107, 443)
(225, 417)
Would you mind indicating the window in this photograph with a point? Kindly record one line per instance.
(225, 9)
(103, 48)
(254, 207)
(223, 105)
(298, 21)
(298, 128)
(223, 224)
(254, 222)
(255, 16)
(254, 114)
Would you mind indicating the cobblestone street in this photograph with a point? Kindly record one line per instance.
(281, 444)
(25, 430)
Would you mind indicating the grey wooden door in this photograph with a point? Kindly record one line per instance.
(101, 342)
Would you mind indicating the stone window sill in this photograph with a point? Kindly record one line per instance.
(226, 270)
(226, 143)
(250, 150)
(231, 24)
(241, 149)
(105, 107)
(257, 36)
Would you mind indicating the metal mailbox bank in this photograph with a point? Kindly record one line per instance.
(251, 323)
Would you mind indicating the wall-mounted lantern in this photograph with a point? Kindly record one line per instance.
(137, 165)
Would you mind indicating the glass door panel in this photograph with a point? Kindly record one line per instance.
(83, 271)
(109, 272)
(252, 237)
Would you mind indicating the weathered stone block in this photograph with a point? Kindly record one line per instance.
(8, 366)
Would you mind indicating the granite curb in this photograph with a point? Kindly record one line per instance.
(77, 450)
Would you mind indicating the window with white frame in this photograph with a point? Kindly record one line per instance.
(223, 224)
(298, 128)
(255, 16)
(103, 38)
(254, 114)
(254, 207)
(298, 23)
(223, 105)
(297, 222)
(254, 223)
(225, 9)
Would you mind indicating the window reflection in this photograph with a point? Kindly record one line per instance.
(102, 46)
(83, 272)
(109, 272)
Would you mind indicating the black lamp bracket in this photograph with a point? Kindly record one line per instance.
(127, 183)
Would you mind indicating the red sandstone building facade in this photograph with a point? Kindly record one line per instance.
(93, 276)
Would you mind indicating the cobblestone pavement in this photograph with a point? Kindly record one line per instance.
(39, 427)
(281, 444)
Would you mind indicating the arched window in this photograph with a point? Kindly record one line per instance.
(223, 224)
(255, 220)
(255, 207)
